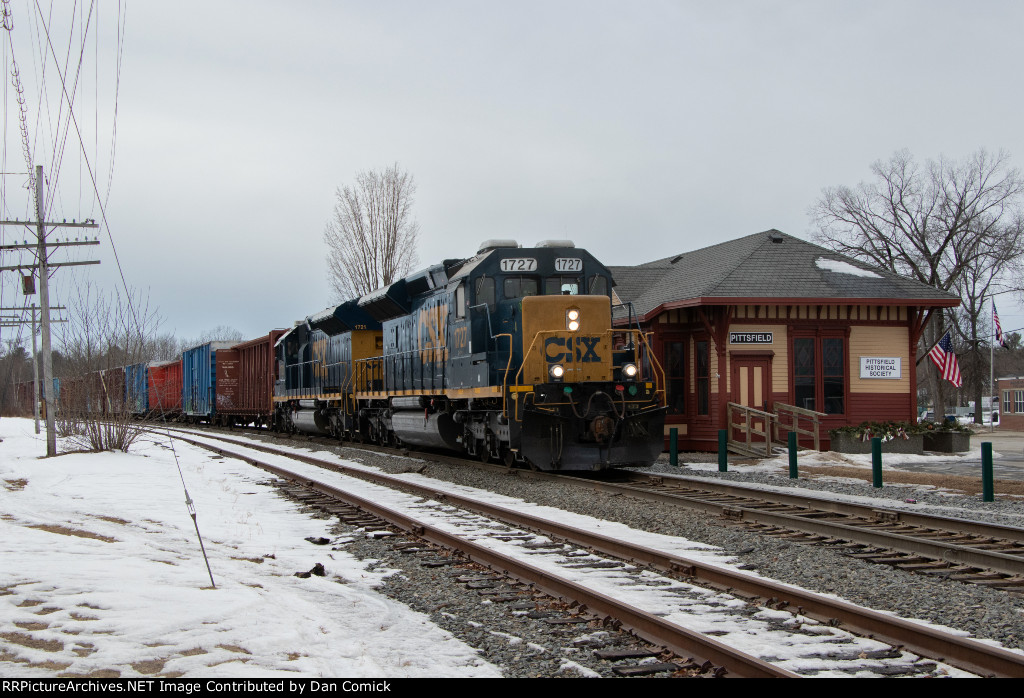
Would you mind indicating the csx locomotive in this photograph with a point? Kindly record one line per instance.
(510, 355)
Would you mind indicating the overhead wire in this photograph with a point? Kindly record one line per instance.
(92, 177)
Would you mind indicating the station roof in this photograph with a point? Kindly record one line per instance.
(769, 266)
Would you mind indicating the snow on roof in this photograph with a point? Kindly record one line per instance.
(841, 267)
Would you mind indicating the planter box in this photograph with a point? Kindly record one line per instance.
(848, 443)
(947, 442)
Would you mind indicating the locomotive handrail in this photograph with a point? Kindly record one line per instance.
(656, 368)
(490, 330)
(629, 317)
(508, 367)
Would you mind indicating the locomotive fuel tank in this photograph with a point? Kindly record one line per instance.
(420, 428)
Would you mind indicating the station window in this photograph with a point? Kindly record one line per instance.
(1018, 401)
(484, 291)
(819, 374)
(703, 378)
(675, 376)
(520, 286)
(561, 286)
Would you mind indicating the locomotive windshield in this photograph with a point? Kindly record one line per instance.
(484, 291)
(598, 286)
(562, 285)
(520, 286)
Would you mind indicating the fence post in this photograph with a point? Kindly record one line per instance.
(876, 461)
(792, 456)
(987, 485)
(723, 450)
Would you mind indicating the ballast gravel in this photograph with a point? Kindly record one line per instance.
(524, 646)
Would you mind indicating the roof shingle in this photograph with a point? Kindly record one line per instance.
(770, 264)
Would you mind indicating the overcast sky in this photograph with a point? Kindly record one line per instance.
(638, 129)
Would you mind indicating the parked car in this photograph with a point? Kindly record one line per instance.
(969, 418)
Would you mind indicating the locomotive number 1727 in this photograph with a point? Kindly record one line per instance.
(519, 264)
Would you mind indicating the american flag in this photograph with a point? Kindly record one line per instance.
(942, 356)
(999, 328)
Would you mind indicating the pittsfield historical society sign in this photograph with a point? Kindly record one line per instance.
(881, 367)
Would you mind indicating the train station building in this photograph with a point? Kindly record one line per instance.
(771, 331)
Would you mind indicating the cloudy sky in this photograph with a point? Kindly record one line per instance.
(638, 130)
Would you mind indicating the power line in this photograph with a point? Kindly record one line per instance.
(92, 177)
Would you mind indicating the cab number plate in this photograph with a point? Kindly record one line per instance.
(519, 264)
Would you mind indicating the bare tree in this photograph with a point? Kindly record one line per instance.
(935, 224)
(220, 333)
(371, 238)
(103, 335)
(15, 369)
(973, 322)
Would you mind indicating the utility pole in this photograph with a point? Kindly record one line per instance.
(35, 372)
(43, 266)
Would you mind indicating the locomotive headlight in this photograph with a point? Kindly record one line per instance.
(629, 370)
(572, 320)
(556, 372)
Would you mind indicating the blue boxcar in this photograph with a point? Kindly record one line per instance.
(136, 388)
(199, 379)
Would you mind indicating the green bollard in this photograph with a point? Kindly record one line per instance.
(792, 456)
(673, 446)
(723, 451)
(876, 461)
(987, 485)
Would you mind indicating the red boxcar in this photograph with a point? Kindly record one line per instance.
(165, 388)
(245, 381)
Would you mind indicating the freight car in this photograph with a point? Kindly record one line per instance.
(245, 381)
(136, 386)
(510, 354)
(164, 389)
(199, 381)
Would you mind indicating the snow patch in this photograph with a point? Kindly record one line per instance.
(839, 267)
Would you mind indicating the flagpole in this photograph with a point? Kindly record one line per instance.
(992, 372)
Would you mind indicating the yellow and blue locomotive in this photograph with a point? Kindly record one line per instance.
(510, 355)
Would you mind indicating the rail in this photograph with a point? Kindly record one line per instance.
(749, 427)
(796, 414)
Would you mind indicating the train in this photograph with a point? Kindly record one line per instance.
(509, 355)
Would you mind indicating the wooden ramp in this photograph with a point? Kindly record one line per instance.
(758, 434)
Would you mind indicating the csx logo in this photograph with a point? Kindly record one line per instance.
(584, 349)
(430, 334)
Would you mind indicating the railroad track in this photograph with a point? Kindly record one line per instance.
(968, 551)
(966, 654)
(965, 551)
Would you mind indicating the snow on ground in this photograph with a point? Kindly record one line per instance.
(703, 615)
(102, 572)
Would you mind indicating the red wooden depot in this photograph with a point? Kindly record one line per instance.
(755, 332)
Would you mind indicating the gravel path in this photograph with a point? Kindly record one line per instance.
(527, 647)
